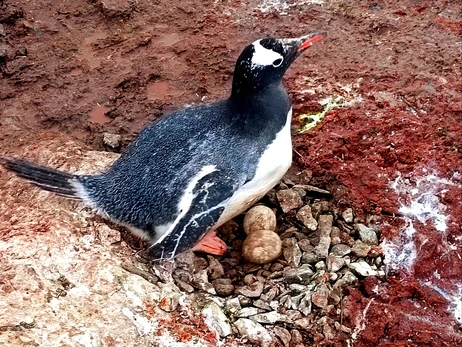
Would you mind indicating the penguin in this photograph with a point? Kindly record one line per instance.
(190, 172)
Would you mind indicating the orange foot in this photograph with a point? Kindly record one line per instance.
(211, 244)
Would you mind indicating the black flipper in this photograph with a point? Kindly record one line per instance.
(49, 179)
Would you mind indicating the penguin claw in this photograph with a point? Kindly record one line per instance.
(211, 244)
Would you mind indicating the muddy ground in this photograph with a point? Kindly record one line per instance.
(392, 149)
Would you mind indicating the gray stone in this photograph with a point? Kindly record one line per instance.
(305, 245)
(270, 294)
(262, 304)
(200, 281)
(324, 228)
(169, 298)
(319, 207)
(347, 215)
(321, 296)
(301, 275)
(340, 250)
(334, 263)
(223, 286)
(289, 200)
(320, 265)
(216, 319)
(233, 305)
(305, 304)
(112, 140)
(251, 291)
(348, 278)
(310, 258)
(367, 235)
(248, 311)
(269, 317)
(291, 251)
(215, 268)
(254, 332)
(297, 288)
(304, 215)
(362, 268)
(2, 30)
(360, 249)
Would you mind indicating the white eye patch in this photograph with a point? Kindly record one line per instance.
(263, 56)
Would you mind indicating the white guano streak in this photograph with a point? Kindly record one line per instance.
(187, 198)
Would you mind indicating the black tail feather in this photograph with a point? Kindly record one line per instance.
(46, 178)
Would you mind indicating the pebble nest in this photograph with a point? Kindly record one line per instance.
(296, 300)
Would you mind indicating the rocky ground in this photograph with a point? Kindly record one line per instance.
(80, 76)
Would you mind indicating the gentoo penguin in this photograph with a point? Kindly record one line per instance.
(188, 173)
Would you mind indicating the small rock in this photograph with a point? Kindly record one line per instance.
(215, 268)
(283, 334)
(347, 215)
(22, 51)
(262, 304)
(334, 263)
(293, 315)
(320, 265)
(335, 236)
(270, 295)
(248, 311)
(184, 286)
(254, 332)
(112, 140)
(319, 207)
(367, 235)
(304, 215)
(297, 339)
(362, 268)
(340, 250)
(305, 245)
(251, 291)
(305, 304)
(310, 258)
(302, 323)
(200, 281)
(223, 286)
(2, 30)
(288, 200)
(360, 249)
(216, 319)
(269, 317)
(321, 296)
(297, 288)
(291, 252)
(325, 226)
(169, 299)
(301, 275)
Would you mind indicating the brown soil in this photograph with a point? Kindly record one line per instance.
(82, 68)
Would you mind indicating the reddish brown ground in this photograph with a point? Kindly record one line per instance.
(87, 67)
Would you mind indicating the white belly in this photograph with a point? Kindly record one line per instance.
(274, 163)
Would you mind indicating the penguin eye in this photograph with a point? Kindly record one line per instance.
(277, 62)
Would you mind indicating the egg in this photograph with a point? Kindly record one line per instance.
(262, 246)
(259, 218)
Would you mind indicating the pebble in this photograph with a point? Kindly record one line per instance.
(200, 281)
(251, 291)
(340, 250)
(348, 278)
(169, 300)
(112, 140)
(215, 269)
(335, 236)
(347, 215)
(233, 305)
(305, 304)
(297, 339)
(248, 311)
(283, 334)
(291, 251)
(334, 263)
(325, 226)
(223, 286)
(289, 200)
(360, 249)
(321, 296)
(269, 317)
(304, 215)
(305, 245)
(303, 323)
(309, 258)
(216, 319)
(262, 304)
(319, 207)
(301, 275)
(367, 235)
(2, 30)
(254, 332)
(362, 268)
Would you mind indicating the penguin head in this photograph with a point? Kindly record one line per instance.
(265, 61)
